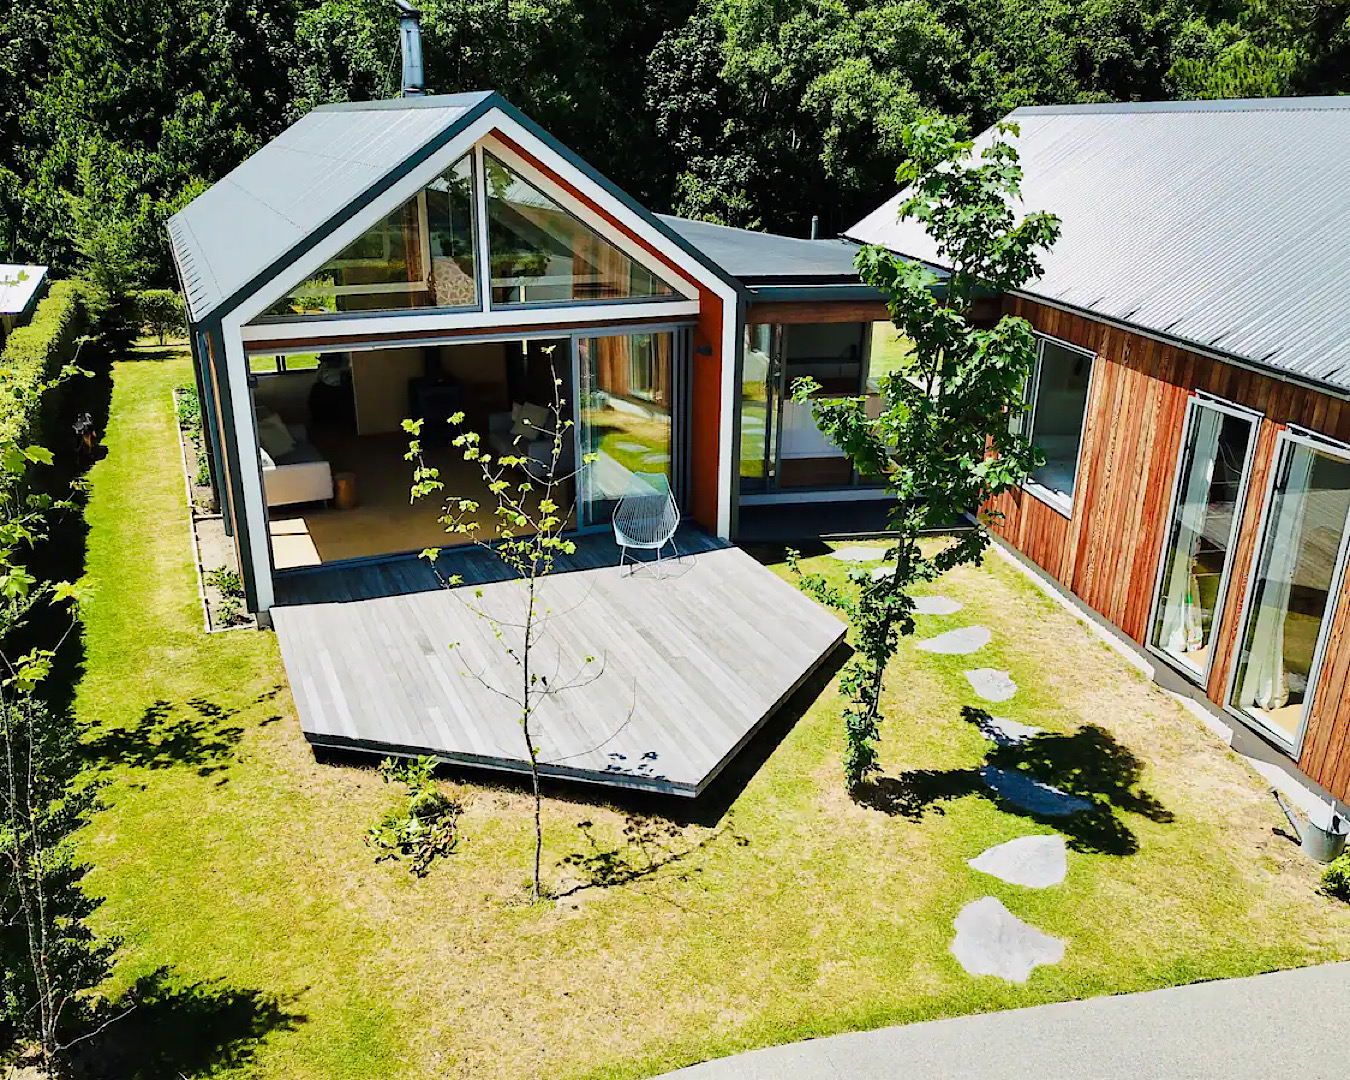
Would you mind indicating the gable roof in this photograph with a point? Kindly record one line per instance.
(1220, 224)
(322, 169)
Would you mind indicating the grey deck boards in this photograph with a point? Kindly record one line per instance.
(688, 662)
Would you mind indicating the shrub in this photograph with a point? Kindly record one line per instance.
(227, 581)
(425, 826)
(189, 409)
(161, 312)
(37, 352)
(1336, 879)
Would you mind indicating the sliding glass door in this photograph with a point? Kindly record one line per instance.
(1216, 455)
(1295, 586)
(625, 422)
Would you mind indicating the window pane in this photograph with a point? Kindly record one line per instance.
(627, 428)
(1293, 590)
(1195, 562)
(421, 255)
(1057, 427)
(756, 418)
(542, 253)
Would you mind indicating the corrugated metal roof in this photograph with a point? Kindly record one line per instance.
(767, 257)
(1221, 224)
(19, 287)
(298, 186)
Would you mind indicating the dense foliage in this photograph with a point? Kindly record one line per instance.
(748, 111)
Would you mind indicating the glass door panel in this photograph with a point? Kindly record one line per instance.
(625, 417)
(1206, 508)
(759, 373)
(1293, 590)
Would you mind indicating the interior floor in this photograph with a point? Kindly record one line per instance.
(380, 519)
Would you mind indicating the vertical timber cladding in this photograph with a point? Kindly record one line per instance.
(1107, 552)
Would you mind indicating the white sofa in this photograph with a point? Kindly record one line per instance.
(300, 475)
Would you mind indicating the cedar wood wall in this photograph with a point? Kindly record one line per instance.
(1108, 552)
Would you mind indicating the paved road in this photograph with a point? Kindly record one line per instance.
(1292, 1024)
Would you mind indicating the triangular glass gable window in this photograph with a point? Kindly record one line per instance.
(541, 253)
(421, 255)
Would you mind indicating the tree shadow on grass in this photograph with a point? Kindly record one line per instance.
(1088, 764)
(164, 1030)
(649, 845)
(197, 735)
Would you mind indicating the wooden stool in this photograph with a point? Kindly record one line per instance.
(344, 490)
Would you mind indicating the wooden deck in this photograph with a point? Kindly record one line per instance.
(689, 661)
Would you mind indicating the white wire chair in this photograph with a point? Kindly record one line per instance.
(646, 517)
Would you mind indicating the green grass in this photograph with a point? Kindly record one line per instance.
(266, 365)
(233, 863)
(891, 351)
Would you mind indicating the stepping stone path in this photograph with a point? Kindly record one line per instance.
(991, 684)
(966, 639)
(1031, 795)
(1006, 732)
(1036, 862)
(858, 554)
(991, 940)
(934, 605)
(655, 459)
(633, 447)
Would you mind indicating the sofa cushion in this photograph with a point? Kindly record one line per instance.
(274, 436)
(530, 420)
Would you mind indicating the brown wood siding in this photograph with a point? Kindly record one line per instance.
(787, 312)
(1107, 552)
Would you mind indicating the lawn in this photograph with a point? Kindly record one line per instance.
(233, 868)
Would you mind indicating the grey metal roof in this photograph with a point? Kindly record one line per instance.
(1221, 224)
(19, 285)
(320, 170)
(767, 257)
(299, 185)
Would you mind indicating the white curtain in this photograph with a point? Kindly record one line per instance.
(1265, 683)
(1182, 630)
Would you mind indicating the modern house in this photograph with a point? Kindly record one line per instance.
(1192, 396)
(435, 255)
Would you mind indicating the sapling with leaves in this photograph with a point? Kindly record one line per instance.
(942, 440)
(527, 534)
(48, 956)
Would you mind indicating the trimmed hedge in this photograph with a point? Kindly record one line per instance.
(38, 351)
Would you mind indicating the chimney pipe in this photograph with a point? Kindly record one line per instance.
(410, 43)
(815, 226)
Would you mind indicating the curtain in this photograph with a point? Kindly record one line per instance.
(1265, 683)
(1182, 626)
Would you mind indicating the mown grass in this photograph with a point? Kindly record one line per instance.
(232, 864)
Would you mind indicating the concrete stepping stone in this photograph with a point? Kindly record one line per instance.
(991, 684)
(965, 639)
(1006, 732)
(858, 554)
(936, 605)
(655, 459)
(1036, 862)
(1031, 795)
(883, 571)
(991, 940)
(633, 447)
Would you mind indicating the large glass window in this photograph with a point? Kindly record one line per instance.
(1058, 406)
(1294, 589)
(421, 255)
(541, 253)
(628, 428)
(757, 410)
(1206, 508)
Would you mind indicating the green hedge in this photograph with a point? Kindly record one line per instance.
(38, 351)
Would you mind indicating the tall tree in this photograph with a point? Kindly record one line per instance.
(942, 439)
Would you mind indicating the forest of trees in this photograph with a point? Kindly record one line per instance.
(752, 112)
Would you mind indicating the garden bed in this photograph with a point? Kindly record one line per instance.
(218, 581)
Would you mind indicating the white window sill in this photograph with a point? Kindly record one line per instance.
(1056, 500)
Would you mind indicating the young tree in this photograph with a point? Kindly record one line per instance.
(528, 526)
(943, 439)
(48, 955)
